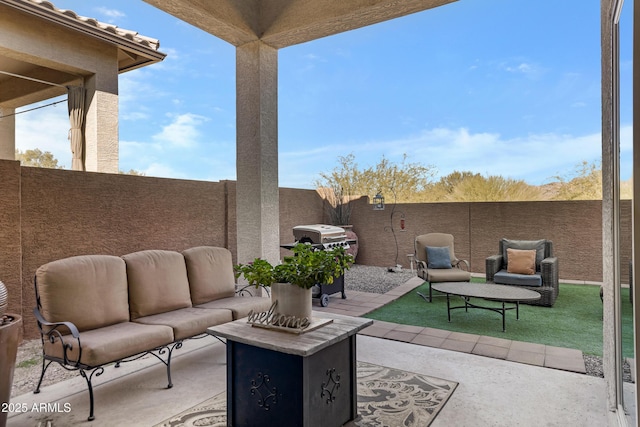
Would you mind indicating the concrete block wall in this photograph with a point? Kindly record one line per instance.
(51, 214)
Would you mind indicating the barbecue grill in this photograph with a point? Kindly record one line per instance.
(322, 237)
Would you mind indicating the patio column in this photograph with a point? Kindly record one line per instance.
(7, 133)
(257, 195)
(101, 122)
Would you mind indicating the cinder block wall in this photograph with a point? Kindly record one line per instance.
(51, 214)
(575, 227)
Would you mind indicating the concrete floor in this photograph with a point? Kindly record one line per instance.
(494, 389)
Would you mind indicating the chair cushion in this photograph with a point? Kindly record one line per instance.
(538, 245)
(157, 282)
(521, 261)
(99, 281)
(210, 271)
(438, 257)
(504, 278)
(447, 275)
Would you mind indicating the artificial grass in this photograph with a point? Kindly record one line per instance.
(575, 320)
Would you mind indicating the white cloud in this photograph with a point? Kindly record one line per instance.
(112, 14)
(534, 158)
(46, 129)
(182, 131)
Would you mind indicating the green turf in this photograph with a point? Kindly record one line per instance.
(575, 320)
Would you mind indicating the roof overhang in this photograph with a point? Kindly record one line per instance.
(282, 23)
(32, 70)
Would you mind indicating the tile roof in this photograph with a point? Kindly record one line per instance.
(128, 35)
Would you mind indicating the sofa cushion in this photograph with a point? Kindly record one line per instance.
(188, 322)
(538, 245)
(99, 281)
(521, 261)
(113, 342)
(505, 278)
(157, 282)
(210, 272)
(438, 257)
(240, 306)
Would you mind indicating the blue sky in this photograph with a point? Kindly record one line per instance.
(499, 87)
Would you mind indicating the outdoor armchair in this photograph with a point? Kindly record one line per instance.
(437, 262)
(544, 275)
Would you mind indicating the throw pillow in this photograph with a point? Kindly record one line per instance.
(538, 245)
(438, 257)
(521, 261)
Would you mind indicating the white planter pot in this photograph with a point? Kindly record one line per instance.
(292, 300)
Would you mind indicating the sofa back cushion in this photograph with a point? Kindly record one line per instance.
(89, 290)
(210, 271)
(157, 282)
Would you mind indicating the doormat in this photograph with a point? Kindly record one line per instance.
(386, 397)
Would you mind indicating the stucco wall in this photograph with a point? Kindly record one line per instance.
(51, 214)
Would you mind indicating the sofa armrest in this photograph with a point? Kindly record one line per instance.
(53, 333)
(549, 269)
(493, 264)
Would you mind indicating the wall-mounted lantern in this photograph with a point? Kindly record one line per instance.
(378, 202)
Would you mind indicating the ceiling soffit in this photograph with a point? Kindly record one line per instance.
(282, 23)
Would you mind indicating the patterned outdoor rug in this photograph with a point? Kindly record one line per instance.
(386, 397)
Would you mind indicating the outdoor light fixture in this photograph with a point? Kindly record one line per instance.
(378, 202)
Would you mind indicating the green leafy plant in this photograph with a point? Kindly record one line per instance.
(305, 268)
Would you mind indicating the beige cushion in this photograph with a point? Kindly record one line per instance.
(521, 261)
(157, 282)
(188, 322)
(210, 271)
(447, 275)
(90, 291)
(113, 343)
(240, 306)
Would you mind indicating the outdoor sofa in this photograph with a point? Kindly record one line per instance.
(93, 310)
(544, 275)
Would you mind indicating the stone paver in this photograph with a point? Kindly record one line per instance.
(463, 346)
(400, 336)
(488, 350)
(528, 357)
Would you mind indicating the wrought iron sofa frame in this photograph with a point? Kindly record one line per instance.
(67, 337)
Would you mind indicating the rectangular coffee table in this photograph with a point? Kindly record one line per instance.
(501, 293)
(277, 378)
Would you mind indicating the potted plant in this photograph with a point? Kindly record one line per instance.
(292, 280)
(10, 337)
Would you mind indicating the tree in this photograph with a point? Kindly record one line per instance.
(584, 184)
(478, 188)
(403, 181)
(37, 158)
(132, 172)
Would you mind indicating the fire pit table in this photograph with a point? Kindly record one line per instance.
(501, 293)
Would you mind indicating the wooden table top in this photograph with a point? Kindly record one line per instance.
(304, 344)
(487, 290)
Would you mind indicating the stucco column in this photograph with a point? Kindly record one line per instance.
(257, 197)
(7, 133)
(101, 123)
